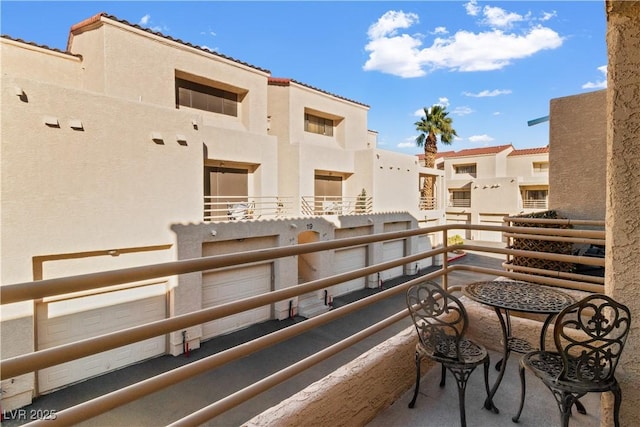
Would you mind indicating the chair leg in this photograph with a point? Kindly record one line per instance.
(617, 401)
(415, 393)
(523, 388)
(580, 407)
(565, 401)
(461, 392)
(443, 376)
(462, 376)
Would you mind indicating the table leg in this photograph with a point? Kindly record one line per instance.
(505, 327)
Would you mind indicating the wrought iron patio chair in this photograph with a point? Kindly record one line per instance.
(441, 322)
(589, 337)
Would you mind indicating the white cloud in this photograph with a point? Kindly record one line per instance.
(497, 113)
(403, 54)
(601, 84)
(408, 143)
(442, 101)
(485, 93)
(210, 49)
(480, 138)
(440, 30)
(548, 15)
(472, 8)
(497, 17)
(145, 20)
(462, 111)
(390, 22)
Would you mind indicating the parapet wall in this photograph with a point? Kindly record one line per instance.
(355, 393)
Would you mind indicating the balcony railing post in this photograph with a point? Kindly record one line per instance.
(445, 262)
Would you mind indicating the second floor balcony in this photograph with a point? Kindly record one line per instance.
(389, 365)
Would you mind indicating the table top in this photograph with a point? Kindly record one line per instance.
(518, 296)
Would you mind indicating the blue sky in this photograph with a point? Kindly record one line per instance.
(494, 65)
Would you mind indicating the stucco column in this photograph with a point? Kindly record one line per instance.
(622, 280)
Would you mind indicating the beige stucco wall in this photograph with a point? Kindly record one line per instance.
(622, 277)
(577, 130)
(496, 189)
(118, 59)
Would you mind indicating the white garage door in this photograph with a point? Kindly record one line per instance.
(55, 329)
(348, 260)
(225, 286)
(391, 251)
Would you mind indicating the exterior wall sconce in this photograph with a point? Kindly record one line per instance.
(194, 123)
(51, 121)
(214, 233)
(20, 94)
(293, 226)
(76, 124)
(157, 137)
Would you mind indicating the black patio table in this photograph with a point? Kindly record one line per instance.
(510, 295)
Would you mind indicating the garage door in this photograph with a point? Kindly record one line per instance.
(347, 260)
(61, 323)
(391, 251)
(225, 286)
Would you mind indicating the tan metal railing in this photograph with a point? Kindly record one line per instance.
(37, 360)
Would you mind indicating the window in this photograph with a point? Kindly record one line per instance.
(535, 199)
(318, 125)
(541, 167)
(207, 98)
(470, 169)
(461, 198)
(536, 194)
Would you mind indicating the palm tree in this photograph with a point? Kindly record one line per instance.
(435, 122)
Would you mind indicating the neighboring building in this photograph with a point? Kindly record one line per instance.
(577, 130)
(133, 148)
(486, 184)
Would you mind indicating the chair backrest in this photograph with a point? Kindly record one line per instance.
(439, 317)
(590, 336)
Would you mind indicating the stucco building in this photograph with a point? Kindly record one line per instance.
(483, 185)
(132, 148)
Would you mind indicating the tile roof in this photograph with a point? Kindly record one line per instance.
(98, 17)
(488, 150)
(524, 151)
(481, 151)
(283, 81)
(53, 49)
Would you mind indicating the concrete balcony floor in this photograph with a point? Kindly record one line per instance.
(438, 407)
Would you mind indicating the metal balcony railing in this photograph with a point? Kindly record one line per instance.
(535, 204)
(428, 204)
(460, 203)
(234, 208)
(29, 291)
(336, 205)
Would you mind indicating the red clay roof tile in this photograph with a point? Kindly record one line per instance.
(102, 15)
(282, 81)
(524, 151)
